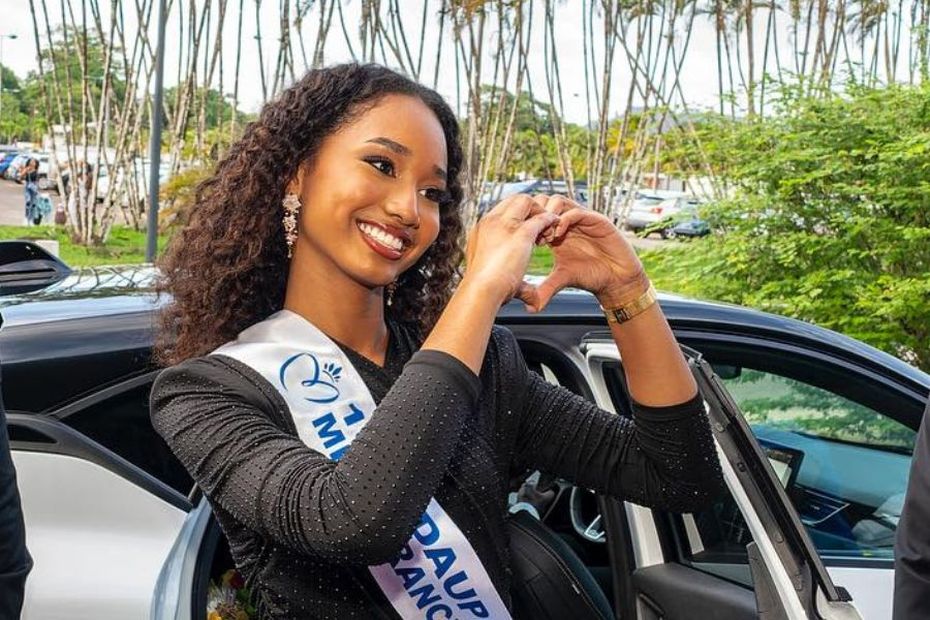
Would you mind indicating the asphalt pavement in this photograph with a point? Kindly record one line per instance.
(13, 203)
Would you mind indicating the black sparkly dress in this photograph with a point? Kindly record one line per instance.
(302, 528)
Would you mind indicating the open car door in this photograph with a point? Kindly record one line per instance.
(746, 556)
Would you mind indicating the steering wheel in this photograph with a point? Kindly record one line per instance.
(587, 527)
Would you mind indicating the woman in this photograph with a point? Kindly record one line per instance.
(30, 177)
(321, 270)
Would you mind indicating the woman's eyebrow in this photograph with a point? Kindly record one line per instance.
(400, 149)
(397, 147)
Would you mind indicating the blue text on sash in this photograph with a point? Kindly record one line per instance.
(443, 588)
(334, 439)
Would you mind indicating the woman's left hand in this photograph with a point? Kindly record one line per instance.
(589, 253)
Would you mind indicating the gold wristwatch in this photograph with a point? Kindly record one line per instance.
(627, 311)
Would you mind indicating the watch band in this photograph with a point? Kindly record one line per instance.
(627, 311)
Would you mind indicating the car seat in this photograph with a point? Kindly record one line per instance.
(549, 579)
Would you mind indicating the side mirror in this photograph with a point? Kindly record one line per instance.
(27, 267)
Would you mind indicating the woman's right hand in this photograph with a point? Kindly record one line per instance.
(498, 251)
(501, 243)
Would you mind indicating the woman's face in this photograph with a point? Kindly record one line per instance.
(370, 197)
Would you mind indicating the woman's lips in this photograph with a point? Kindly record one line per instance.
(381, 240)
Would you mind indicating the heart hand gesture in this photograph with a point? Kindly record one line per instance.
(590, 253)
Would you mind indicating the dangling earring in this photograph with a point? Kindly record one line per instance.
(291, 205)
(389, 292)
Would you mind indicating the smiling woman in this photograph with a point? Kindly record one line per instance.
(341, 395)
(229, 268)
(362, 186)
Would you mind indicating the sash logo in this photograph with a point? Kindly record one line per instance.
(303, 375)
(314, 383)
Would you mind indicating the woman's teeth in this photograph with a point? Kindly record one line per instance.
(382, 237)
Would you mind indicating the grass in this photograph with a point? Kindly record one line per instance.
(124, 245)
(664, 278)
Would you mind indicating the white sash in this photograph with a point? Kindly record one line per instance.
(437, 574)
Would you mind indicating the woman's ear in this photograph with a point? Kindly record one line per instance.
(296, 184)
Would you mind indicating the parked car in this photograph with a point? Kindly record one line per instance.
(6, 160)
(494, 193)
(14, 169)
(44, 167)
(137, 183)
(815, 464)
(686, 223)
(653, 208)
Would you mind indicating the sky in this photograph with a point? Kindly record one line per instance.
(698, 78)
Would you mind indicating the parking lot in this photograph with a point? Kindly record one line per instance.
(11, 203)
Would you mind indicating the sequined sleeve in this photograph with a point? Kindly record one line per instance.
(218, 420)
(664, 457)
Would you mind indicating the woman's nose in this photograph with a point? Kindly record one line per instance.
(405, 206)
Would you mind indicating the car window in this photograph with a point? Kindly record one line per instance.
(844, 465)
(713, 540)
(121, 424)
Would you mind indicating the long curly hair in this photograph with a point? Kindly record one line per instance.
(227, 269)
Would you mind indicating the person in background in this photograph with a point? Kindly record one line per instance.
(15, 562)
(912, 545)
(30, 176)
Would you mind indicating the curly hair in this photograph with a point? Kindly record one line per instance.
(227, 269)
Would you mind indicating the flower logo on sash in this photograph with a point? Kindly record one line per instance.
(314, 382)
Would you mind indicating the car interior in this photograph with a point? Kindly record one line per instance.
(845, 470)
(705, 570)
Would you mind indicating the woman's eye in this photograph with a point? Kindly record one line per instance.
(432, 194)
(384, 166)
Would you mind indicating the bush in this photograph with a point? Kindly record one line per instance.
(830, 217)
(178, 197)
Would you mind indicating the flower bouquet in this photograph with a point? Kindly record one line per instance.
(229, 599)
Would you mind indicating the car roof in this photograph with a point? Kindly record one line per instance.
(686, 313)
(93, 328)
(106, 315)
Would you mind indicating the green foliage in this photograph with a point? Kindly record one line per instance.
(535, 155)
(217, 109)
(25, 113)
(531, 114)
(15, 122)
(62, 63)
(178, 195)
(829, 219)
(780, 402)
(533, 148)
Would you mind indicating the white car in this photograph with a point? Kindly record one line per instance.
(815, 468)
(649, 210)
